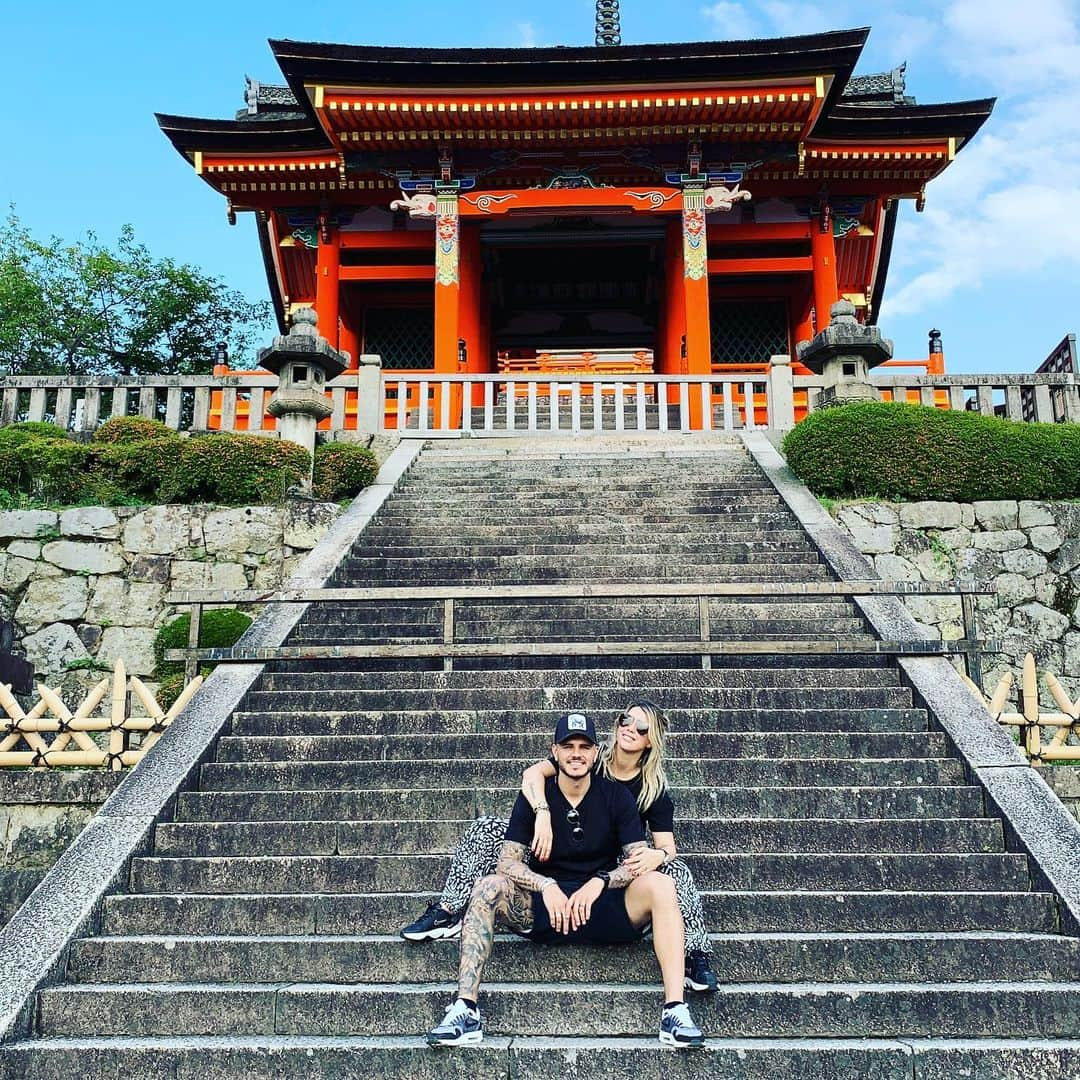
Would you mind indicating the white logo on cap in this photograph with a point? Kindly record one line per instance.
(575, 723)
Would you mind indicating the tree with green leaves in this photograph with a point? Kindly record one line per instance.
(87, 308)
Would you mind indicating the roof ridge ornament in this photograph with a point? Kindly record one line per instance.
(608, 31)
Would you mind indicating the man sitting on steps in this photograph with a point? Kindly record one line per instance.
(589, 898)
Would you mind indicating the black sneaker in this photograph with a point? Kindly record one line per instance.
(461, 1026)
(699, 973)
(677, 1028)
(435, 923)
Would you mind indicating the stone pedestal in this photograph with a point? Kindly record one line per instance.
(304, 362)
(843, 354)
(369, 404)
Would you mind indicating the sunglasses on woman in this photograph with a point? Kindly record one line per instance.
(625, 720)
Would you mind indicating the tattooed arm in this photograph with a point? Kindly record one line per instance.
(622, 875)
(512, 866)
(532, 787)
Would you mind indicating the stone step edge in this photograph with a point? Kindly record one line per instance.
(278, 1043)
(1014, 936)
(422, 897)
(307, 823)
(409, 990)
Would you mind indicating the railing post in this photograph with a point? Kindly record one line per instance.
(370, 413)
(191, 664)
(781, 391)
(448, 631)
(972, 658)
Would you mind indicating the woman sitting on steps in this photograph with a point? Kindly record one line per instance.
(635, 758)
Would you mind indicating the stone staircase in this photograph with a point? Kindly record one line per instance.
(870, 921)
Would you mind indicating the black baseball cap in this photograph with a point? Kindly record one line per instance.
(575, 723)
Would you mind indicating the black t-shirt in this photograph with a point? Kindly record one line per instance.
(609, 820)
(658, 816)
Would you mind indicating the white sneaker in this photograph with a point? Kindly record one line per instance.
(677, 1028)
(461, 1026)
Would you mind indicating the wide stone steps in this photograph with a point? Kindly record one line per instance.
(715, 835)
(499, 686)
(692, 802)
(270, 1057)
(874, 921)
(565, 698)
(453, 772)
(1008, 906)
(463, 721)
(739, 958)
(758, 744)
(846, 872)
(803, 1009)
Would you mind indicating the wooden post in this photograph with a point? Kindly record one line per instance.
(823, 256)
(695, 253)
(448, 631)
(191, 665)
(703, 628)
(447, 285)
(118, 716)
(327, 287)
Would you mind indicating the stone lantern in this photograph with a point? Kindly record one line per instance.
(304, 363)
(843, 354)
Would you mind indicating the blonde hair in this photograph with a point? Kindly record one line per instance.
(653, 777)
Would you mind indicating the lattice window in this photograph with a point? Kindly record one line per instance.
(748, 331)
(403, 337)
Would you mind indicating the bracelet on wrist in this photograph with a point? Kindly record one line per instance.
(541, 806)
(550, 881)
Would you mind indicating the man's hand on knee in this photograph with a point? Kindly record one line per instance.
(558, 907)
(581, 902)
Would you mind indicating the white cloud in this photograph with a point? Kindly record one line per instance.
(798, 18)
(730, 20)
(526, 35)
(1009, 205)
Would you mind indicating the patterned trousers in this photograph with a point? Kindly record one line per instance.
(478, 851)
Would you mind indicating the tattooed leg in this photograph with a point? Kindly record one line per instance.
(494, 898)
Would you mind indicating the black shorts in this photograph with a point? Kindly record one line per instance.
(608, 924)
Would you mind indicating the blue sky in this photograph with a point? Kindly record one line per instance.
(992, 261)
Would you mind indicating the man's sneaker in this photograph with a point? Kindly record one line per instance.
(677, 1028)
(699, 973)
(461, 1026)
(435, 923)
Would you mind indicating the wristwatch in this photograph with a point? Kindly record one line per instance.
(605, 877)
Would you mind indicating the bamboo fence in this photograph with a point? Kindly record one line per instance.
(25, 736)
(1031, 720)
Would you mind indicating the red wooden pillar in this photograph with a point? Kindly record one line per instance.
(696, 293)
(823, 254)
(802, 312)
(447, 288)
(327, 286)
(672, 361)
(469, 318)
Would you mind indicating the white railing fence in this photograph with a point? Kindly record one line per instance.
(431, 402)
(574, 404)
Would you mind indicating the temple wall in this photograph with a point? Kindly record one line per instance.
(88, 585)
(1029, 551)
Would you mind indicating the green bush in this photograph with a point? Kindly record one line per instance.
(220, 628)
(38, 429)
(131, 429)
(138, 469)
(235, 470)
(342, 470)
(53, 470)
(916, 452)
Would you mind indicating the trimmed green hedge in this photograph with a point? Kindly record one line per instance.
(915, 452)
(134, 460)
(234, 469)
(130, 429)
(342, 470)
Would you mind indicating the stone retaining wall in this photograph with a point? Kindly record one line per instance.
(41, 812)
(90, 582)
(1029, 551)
(1065, 783)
